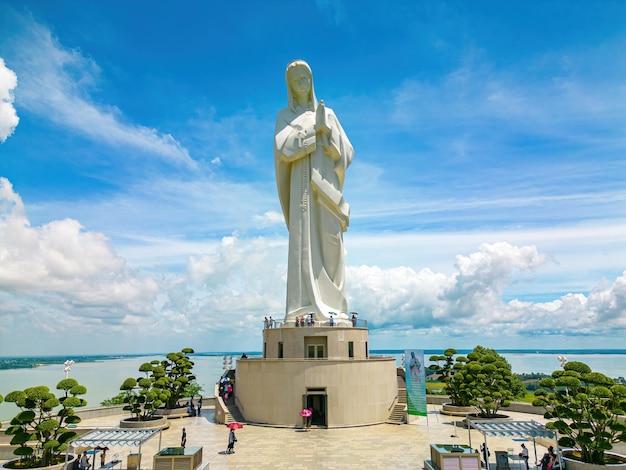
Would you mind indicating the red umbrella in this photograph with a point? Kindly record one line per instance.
(234, 425)
(306, 413)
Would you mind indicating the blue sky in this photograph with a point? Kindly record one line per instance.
(138, 205)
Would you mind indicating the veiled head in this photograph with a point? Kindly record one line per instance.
(300, 84)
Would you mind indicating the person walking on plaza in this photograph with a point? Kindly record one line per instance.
(183, 438)
(84, 462)
(231, 442)
(524, 455)
(486, 454)
(199, 406)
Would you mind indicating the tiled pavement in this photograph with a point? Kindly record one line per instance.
(384, 446)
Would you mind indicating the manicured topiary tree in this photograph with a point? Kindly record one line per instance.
(141, 397)
(40, 433)
(165, 382)
(487, 380)
(446, 366)
(586, 408)
(173, 375)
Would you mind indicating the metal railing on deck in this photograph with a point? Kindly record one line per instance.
(360, 323)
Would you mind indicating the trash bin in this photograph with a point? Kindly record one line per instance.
(132, 462)
(502, 460)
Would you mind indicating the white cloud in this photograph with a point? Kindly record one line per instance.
(269, 218)
(8, 115)
(57, 276)
(65, 268)
(554, 101)
(469, 301)
(55, 82)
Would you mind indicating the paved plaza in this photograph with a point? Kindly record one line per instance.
(384, 446)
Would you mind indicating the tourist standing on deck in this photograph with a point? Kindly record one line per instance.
(183, 438)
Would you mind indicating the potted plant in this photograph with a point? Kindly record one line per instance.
(445, 366)
(585, 407)
(40, 434)
(486, 378)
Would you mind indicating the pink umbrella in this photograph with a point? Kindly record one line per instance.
(306, 413)
(234, 425)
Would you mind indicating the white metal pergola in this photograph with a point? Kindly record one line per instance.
(505, 428)
(116, 437)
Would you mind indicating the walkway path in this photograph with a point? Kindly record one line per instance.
(384, 446)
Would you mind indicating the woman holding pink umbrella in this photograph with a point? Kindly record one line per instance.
(306, 415)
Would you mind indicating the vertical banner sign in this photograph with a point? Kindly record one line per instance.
(415, 382)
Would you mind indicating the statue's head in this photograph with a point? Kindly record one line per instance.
(300, 84)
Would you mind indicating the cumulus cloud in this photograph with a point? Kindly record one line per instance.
(8, 115)
(470, 300)
(269, 218)
(55, 83)
(63, 268)
(57, 275)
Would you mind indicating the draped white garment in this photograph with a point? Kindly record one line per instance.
(310, 188)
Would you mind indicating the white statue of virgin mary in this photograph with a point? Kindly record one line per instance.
(311, 155)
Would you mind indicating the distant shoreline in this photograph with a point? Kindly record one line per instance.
(31, 362)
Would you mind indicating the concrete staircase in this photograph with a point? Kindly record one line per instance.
(398, 410)
(233, 414)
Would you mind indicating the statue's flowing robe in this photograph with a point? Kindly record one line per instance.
(310, 188)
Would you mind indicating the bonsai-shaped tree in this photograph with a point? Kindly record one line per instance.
(172, 376)
(487, 380)
(585, 406)
(37, 423)
(141, 397)
(165, 382)
(446, 371)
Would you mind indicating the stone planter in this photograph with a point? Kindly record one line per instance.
(155, 422)
(60, 466)
(476, 416)
(456, 410)
(573, 464)
(172, 413)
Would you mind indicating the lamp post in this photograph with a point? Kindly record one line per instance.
(68, 366)
(563, 361)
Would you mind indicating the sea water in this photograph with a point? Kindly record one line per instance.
(103, 378)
